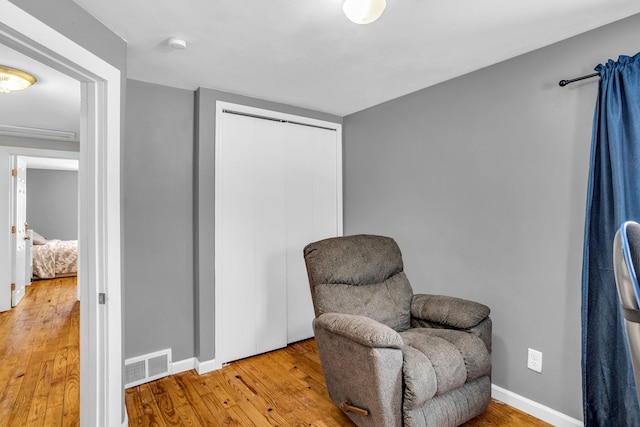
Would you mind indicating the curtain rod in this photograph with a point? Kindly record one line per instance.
(563, 83)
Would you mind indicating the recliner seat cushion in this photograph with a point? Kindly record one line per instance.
(419, 377)
(452, 357)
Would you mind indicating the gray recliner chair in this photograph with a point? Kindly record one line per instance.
(389, 357)
(626, 266)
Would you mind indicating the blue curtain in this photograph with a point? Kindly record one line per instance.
(613, 197)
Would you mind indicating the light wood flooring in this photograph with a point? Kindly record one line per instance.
(280, 388)
(39, 379)
(40, 357)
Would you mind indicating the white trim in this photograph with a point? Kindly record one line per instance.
(205, 367)
(183, 365)
(191, 363)
(31, 132)
(101, 400)
(52, 154)
(272, 114)
(532, 408)
(41, 152)
(5, 226)
(339, 204)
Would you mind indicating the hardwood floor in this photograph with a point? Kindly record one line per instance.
(281, 388)
(40, 371)
(40, 357)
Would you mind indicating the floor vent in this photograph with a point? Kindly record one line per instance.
(146, 368)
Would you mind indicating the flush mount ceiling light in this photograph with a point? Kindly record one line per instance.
(363, 11)
(12, 79)
(177, 44)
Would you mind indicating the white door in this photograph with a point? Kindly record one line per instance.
(278, 188)
(5, 229)
(253, 252)
(29, 258)
(18, 228)
(312, 214)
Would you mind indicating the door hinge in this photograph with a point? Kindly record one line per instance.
(13, 286)
(14, 172)
(13, 229)
(102, 297)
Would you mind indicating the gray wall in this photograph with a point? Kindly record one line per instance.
(482, 181)
(157, 223)
(204, 208)
(168, 207)
(52, 203)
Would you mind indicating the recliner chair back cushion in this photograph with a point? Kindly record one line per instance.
(361, 275)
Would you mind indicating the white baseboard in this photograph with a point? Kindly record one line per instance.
(206, 366)
(183, 365)
(194, 363)
(535, 409)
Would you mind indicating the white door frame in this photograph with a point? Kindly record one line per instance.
(19, 221)
(5, 224)
(52, 154)
(101, 390)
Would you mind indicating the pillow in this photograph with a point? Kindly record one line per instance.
(38, 239)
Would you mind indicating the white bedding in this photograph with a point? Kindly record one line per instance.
(56, 258)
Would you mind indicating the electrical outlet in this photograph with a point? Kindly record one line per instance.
(534, 360)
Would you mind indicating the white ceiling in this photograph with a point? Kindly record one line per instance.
(51, 104)
(306, 52)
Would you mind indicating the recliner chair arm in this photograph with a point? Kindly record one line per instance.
(450, 311)
(362, 365)
(363, 330)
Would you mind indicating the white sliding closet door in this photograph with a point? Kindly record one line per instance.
(253, 251)
(277, 189)
(312, 206)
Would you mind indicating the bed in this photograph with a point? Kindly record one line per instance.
(53, 258)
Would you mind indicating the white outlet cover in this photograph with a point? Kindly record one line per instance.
(534, 360)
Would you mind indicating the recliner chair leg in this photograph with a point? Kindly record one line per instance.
(348, 407)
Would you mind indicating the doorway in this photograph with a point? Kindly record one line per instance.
(51, 212)
(101, 403)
